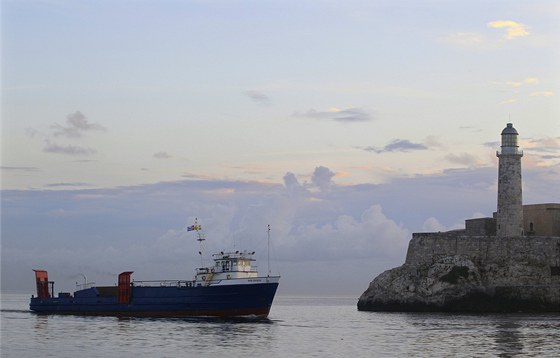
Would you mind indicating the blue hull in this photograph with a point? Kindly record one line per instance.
(222, 301)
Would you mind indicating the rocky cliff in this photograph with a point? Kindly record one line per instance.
(453, 272)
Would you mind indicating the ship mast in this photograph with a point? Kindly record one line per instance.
(199, 237)
(268, 250)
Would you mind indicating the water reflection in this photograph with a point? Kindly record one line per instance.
(296, 329)
(242, 334)
(41, 326)
(508, 338)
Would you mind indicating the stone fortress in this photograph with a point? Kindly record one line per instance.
(507, 263)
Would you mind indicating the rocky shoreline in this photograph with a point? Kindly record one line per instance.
(449, 272)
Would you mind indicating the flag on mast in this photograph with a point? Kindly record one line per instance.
(194, 227)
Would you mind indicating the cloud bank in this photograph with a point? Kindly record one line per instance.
(321, 231)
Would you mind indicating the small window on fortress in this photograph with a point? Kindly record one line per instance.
(531, 227)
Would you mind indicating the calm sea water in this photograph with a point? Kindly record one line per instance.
(297, 327)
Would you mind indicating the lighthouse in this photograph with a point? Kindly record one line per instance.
(509, 219)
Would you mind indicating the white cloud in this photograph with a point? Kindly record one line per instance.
(513, 29)
(517, 82)
(476, 40)
(542, 94)
(372, 235)
(509, 101)
(432, 225)
(532, 80)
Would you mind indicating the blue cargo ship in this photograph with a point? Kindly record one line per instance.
(231, 287)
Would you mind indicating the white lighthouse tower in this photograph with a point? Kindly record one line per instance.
(509, 220)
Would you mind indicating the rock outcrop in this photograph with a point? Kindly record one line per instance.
(453, 272)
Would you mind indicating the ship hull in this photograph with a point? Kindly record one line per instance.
(248, 299)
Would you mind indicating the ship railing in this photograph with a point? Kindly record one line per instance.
(163, 283)
(216, 270)
(247, 255)
(83, 286)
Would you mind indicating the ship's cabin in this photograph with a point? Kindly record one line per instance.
(233, 261)
(228, 266)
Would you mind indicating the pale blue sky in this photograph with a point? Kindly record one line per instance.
(407, 96)
(227, 89)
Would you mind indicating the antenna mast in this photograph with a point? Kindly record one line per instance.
(200, 238)
(268, 250)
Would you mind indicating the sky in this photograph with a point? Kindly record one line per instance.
(345, 125)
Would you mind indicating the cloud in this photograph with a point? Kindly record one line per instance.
(514, 84)
(433, 225)
(433, 141)
(494, 144)
(59, 185)
(362, 228)
(67, 149)
(322, 178)
(258, 97)
(23, 169)
(542, 94)
(508, 101)
(518, 83)
(84, 160)
(76, 125)
(292, 185)
(475, 40)
(398, 145)
(471, 129)
(529, 80)
(538, 147)
(162, 155)
(532, 80)
(347, 236)
(544, 146)
(340, 115)
(464, 39)
(513, 29)
(463, 159)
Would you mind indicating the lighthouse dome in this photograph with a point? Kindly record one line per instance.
(509, 130)
(509, 140)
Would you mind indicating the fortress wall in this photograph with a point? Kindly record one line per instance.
(542, 219)
(426, 248)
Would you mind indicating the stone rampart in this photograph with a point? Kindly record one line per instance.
(426, 247)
